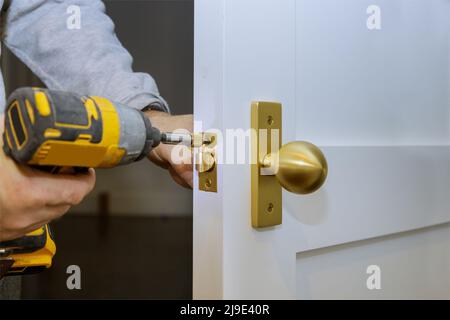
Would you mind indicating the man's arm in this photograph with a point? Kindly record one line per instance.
(89, 60)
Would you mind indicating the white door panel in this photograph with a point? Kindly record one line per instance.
(376, 102)
(373, 191)
(414, 265)
(354, 86)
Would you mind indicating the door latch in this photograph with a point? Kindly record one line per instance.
(203, 145)
(206, 161)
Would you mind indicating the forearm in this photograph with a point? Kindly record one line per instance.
(89, 60)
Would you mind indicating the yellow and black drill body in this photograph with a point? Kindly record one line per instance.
(53, 130)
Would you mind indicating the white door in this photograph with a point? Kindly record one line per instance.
(369, 83)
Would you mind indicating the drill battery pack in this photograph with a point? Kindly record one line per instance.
(27, 255)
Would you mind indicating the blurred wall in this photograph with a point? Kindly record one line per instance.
(159, 35)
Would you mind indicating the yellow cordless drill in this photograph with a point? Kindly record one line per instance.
(55, 130)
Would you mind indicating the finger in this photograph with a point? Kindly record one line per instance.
(32, 221)
(187, 177)
(177, 178)
(183, 181)
(46, 215)
(64, 189)
(156, 159)
(55, 212)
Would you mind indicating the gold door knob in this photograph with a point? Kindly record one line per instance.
(300, 167)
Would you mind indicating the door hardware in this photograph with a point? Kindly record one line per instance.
(206, 162)
(299, 167)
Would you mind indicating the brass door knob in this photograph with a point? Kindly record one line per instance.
(300, 167)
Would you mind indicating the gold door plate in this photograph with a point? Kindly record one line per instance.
(266, 193)
(207, 163)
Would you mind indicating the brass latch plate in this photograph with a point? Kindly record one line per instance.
(266, 193)
(206, 163)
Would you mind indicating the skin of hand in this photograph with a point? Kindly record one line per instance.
(30, 198)
(181, 168)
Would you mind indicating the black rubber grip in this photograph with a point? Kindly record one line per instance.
(153, 138)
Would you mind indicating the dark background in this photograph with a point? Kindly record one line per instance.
(127, 255)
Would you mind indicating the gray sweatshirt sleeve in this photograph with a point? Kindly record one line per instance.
(88, 60)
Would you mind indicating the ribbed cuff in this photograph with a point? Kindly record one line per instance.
(148, 101)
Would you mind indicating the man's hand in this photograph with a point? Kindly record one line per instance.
(30, 198)
(163, 155)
